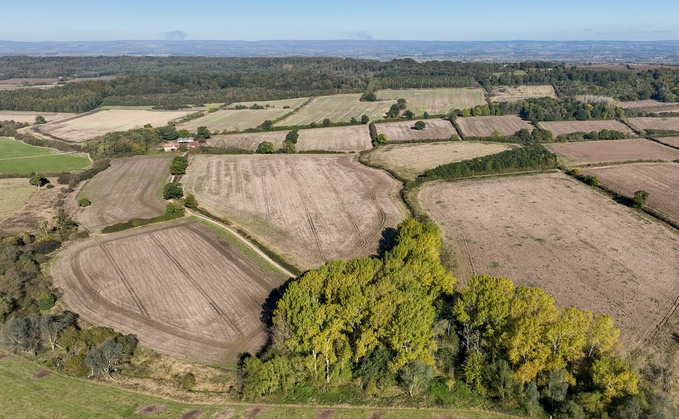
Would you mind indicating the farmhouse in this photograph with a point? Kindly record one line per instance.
(184, 140)
(193, 144)
(170, 147)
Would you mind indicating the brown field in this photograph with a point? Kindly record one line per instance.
(29, 117)
(23, 83)
(41, 207)
(483, 126)
(247, 141)
(435, 101)
(234, 120)
(435, 129)
(656, 123)
(130, 188)
(341, 139)
(650, 105)
(660, 180)
(337, 108)
(670, 141)
(182, 288)
(309, 209)
(612, 151)
(516, 93)
(91, 125)
(553, 232)
(411, 160)
(14, 193)
(569, 127)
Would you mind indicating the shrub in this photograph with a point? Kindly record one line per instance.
(380, 139)
(419, 125)
(172, 191)
(191, 202)
(38, 180)
(639, 199)
(265, 147)
(46, 301)
(84, 202)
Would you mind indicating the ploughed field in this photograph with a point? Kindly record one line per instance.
(434, 129)
(613, 151)
(130, 188)
(553, 232)
(85, 127)
(182, 288)
(247, 141)
(516, 93)
(660, 180)
(14, 193)
(435, 101)
(670, 141)
(669, 123)
(337, 108)
(569, 127)
(308, 209)
(483, 126)
(650, 105)
(411, 160)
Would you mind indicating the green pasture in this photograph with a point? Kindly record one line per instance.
(17, 157)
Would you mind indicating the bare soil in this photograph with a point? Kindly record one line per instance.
(483, 126)
(248, 141)
(516, 93)
(434, 129)
(255, 411)
(553, 232)
(151, 410)
(225, 413)
(670, 141)
(613, 151)
(309, 209)
(338, 139)
(650, 105)
(182, 288)
(192, 414)
(669, 123)
(40, 374)
(569, 127)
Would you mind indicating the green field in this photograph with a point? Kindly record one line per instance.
(17, 157)
(435, 101)
(337, 108)
(56, 395)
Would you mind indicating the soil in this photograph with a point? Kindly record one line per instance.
(613, 151)
(569, 127)
(483, 126)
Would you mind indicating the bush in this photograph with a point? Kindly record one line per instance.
(292, 136)
(46, 301)
(419, 125)
(84, 202)
(265, 147)
(639, 199)
(191, 202)
(172, 191)
(380, 139)
(38, 180)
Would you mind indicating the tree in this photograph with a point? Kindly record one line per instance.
(172, 191)
(84, 202)
(104, 358)
(168, 133)
(46, 301)
(401, 103)
(21, 335)
(40, 120)
(614, 377)
(202, 133)
(364, 119)
(381, 139)
(288, 147)
(368, 97)
(267, 125)
(190, 202)
(265, 147)
(602, 336)
(639, 199)
(496, 135)
(179, 165)
(393, 111)
(174, 209)
(326, 122)
(415, 377)
(419, 125)
(426, 115)
(292, 136)
(557, 389)
(38, 180)
(408, 114)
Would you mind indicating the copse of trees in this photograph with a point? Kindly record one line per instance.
(179, 165)
(545, 109)
(604, 134)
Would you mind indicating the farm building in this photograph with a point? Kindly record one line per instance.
(184, 140)
(170, 147)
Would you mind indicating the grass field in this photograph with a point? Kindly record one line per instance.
(181, 287)
(248, 141)
(130, 188)
(516, 93)
(656, 123)
(14, 193)
(41, 207)
(337, 108)
(341, 139)
(309, 209)
(279, 104)
(94, 124)
(569, 127)
(234, 120)
(661, 181)
(29, 117)
(435, 101)
(411, 160)
(17, 157)
(553, 232)
(483, 126)
(613, 151)
(435, 129)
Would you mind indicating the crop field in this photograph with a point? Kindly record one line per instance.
(309, 209)
(411, 160)
(555, 233)
(14, 193)
(337, 108)
(341, 139)
(670, 141)
(29, 117)
(660, 180)
(234, 120)
(434, 129)
(279, 104)
(42, 206)
(182, 288)
(569, 127)
(83, 128)
(247, 141)
(651, 105)
(435, 101)
(656, 123)
(613, 151)
(516, 93)
(18, 157)
(130, 188)
(483, 126)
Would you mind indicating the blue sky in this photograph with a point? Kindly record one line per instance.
(69, 20)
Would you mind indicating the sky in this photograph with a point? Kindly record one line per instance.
(433, 20)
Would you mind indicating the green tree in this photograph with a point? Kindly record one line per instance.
(614, 378)
(38, 180)
(408, 114)
(369, 97)
(202, 133)
(602, 336)
(326, 122)
(39, 119)
(179, 165)
(364, 119)
(381, 139)
(84, 202)
(401, 103)
(639, 199)
(267, 125)
(104, 358)
(419, 125)
(292, 136)
(172, 191)
(265, 147)
(190, 202)
(46, 301)
(393, 111)
(415, 377)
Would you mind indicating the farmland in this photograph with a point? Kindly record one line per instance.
(247, 141)
(14, 193)
(411, 160)
(41, 207)
(17, 157)
(434, 129)
(337, 108)
(341, 139)
(516, 93)
(651, 105)
(553, 232)
(656, 123)
(182, 288)
(670, 141)
(569, 127)
(483, 126)
(234, 120)
(29, 117)
(309, 209)
(661, 181)
(130, 188)
(613, 151)
(435, 101)
(290, 103)
(88, 126)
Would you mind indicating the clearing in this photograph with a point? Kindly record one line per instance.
(21, 158)
(661, 181)
(517, 93)
(42, 206)
(184, 289)
(569, 127)
(555, 233)
(14, 193)
(650, 106)
(339, 139)
(483, 126)
(309, 209)
(435, 101)
(656, 123)
(29, 117)
(234, 120)
(613, 151)
(337, 108)
(130, 188)
(411, 160)
(82, 128)
(670, 141)
(434, 129)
